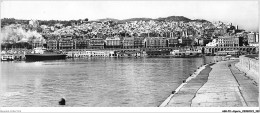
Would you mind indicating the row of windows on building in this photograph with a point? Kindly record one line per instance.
(228, 42)
(253, 37)
(128, 42)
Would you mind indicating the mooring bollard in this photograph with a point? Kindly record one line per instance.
(62, 101)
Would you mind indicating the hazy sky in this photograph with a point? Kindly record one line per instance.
(243, 13)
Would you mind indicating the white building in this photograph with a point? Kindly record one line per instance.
(253, 39)
(213, 43)
(225, 41)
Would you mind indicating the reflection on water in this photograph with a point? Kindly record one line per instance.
(93, 82)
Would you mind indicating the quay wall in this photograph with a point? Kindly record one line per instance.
(250, 66)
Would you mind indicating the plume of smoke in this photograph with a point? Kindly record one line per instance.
(16, 33)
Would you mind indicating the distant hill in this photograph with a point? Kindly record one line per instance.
(8, 21)
(200, 20)
(107, 19)
(170, 18)
(136, 19)
(174, 18)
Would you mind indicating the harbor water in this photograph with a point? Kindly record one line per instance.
(94, 82)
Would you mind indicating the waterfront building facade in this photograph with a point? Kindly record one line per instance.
(228, 41)
(172, 42)
(128, 42)
(185, 41)
(66, 44)
(82, 44)
(52, 44)
(253, 39)
(139, 42)
(156, 42)
(113, 42)
(97, 43)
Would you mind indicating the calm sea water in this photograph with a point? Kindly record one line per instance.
(101, 82)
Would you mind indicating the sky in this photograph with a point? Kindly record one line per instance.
(241, 13)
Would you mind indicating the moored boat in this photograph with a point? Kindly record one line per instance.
(39, 54)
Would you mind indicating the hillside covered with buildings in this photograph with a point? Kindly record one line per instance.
(173, 31)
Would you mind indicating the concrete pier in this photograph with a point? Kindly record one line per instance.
(218, 85)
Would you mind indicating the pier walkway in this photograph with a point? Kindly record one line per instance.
(218, 85)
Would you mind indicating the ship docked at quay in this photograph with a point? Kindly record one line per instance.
(40, 54)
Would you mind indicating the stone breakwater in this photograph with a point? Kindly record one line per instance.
(218, 85)
(184, 85)
(250, 66)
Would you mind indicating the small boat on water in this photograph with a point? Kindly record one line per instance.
(39, 54)
(7, 57)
